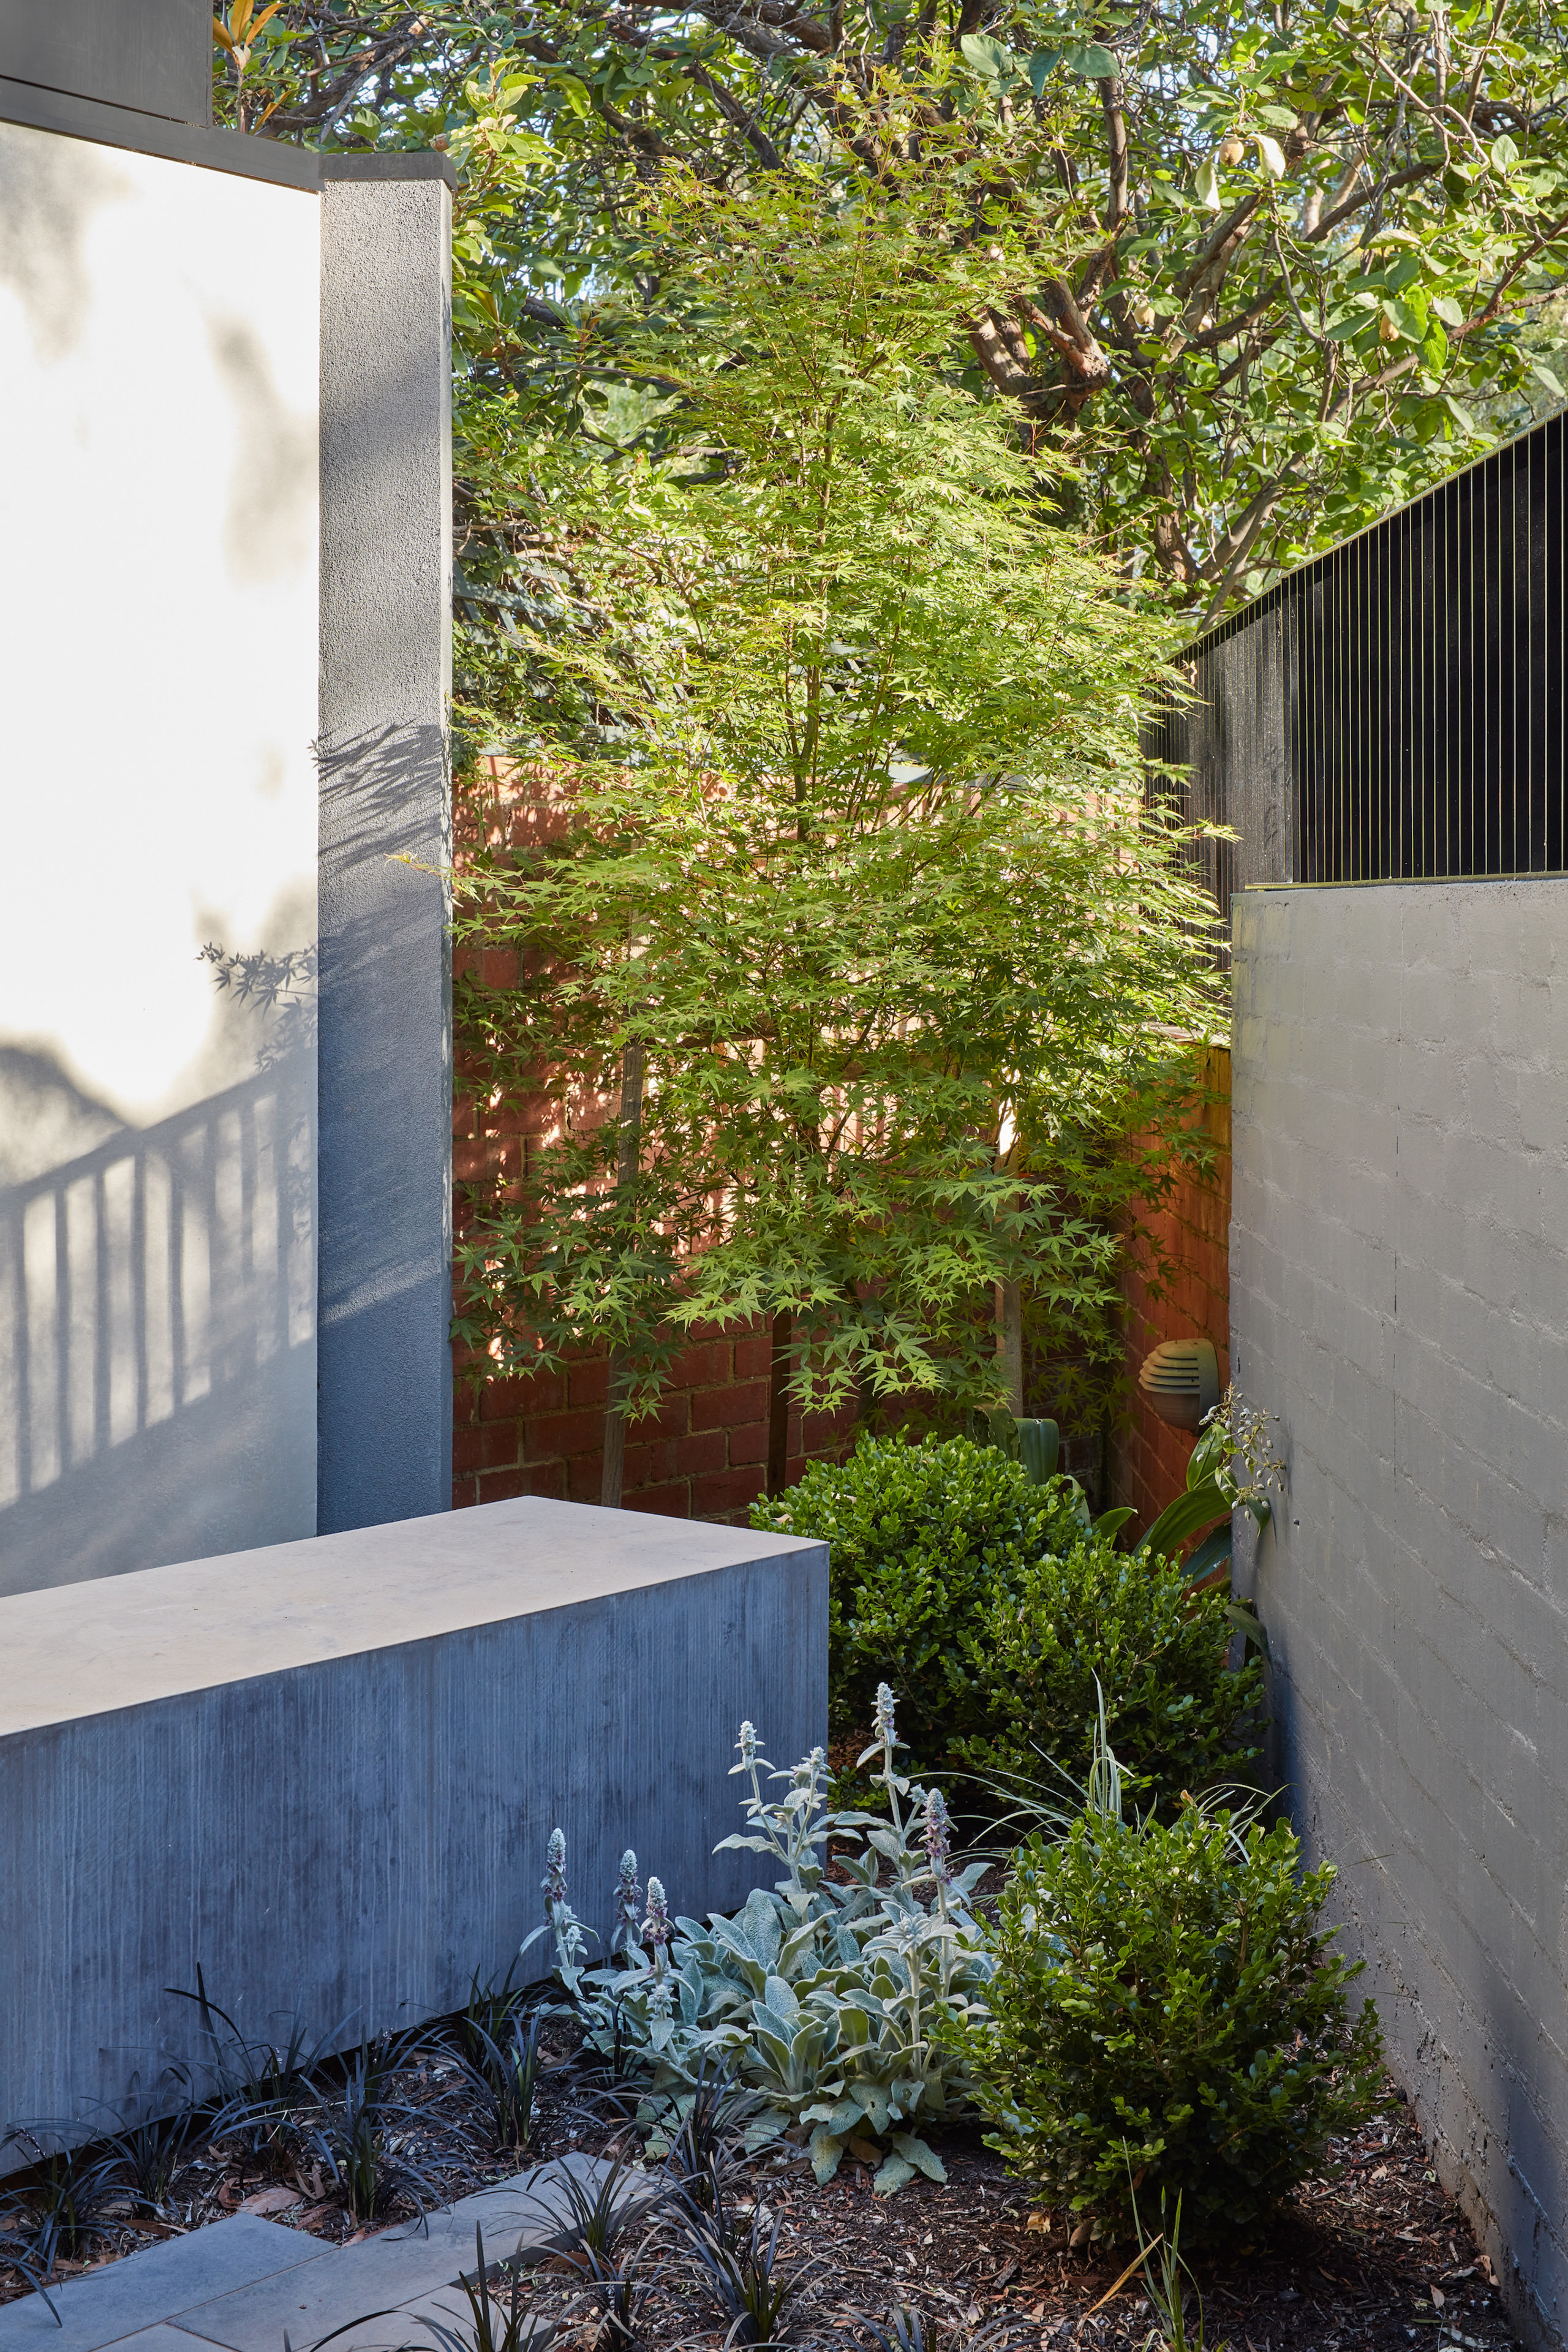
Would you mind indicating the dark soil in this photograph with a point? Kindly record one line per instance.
(1372, 2255)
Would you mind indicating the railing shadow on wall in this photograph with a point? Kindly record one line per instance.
(157, 1328)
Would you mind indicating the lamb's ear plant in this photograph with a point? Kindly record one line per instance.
(821, 1996)
(560, 1920)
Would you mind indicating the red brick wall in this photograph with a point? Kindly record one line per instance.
(1149, 1464)
(703, 1454)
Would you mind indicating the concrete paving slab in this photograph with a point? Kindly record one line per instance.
(397, 2270)
(379, 2274)
(128, 2298)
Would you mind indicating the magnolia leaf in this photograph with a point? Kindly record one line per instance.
(1503, 152)
(1206, 184)
(988, 56)
(1043, 63)
(1094, 63)
(576, 93)
(1451, 312)
(1549, 380)
(1273, 155)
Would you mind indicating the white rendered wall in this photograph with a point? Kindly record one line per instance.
(158, 705)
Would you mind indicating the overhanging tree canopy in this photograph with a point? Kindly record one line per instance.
(1269, 269)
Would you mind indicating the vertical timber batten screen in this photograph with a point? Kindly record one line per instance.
(1394, 710)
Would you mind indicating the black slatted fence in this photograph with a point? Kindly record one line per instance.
(1394, 710)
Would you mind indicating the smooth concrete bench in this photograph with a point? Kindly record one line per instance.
(327, 1771)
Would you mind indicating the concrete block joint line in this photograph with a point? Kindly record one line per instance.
(1399, 1300)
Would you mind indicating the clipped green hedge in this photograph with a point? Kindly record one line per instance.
(923, 1538)
(1177, 1716)
(990, 1608)
(1166, 2014)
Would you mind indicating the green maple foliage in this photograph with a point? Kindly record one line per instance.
(850, 906)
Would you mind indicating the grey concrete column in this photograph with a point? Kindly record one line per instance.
(385, 1411)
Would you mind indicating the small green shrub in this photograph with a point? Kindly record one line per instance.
(923, 1537)
(1166, 2020)
(1176, 1715)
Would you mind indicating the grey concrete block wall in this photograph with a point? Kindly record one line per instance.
(1399, 1287)
(328, 1772)
(384, 1421)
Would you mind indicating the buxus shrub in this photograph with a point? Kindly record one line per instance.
(1087, 1621)
(923, 1540)
(1166, 2017)
(992, 1609)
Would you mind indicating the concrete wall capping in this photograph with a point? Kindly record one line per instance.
(397, 163)
(1399, 1299)
(151, 134)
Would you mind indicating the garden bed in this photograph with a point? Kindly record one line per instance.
(1367, 2258)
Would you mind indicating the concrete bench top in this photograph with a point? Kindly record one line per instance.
(89, 1649)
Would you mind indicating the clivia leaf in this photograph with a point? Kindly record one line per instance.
(988, 56)
(1094, 63)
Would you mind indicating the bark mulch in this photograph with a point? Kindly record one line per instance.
(1371, 2257)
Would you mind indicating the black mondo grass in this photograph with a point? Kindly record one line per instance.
(907, 2331)
(502, 2070)
(67, 2199)
(256, 2087)
(151, 2147)
(354, 2136)
(491, 2012)
(499, 2321)
(748, 2285)
(602, 2215)
(706, 2153)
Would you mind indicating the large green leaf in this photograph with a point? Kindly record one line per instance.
(988, 56)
